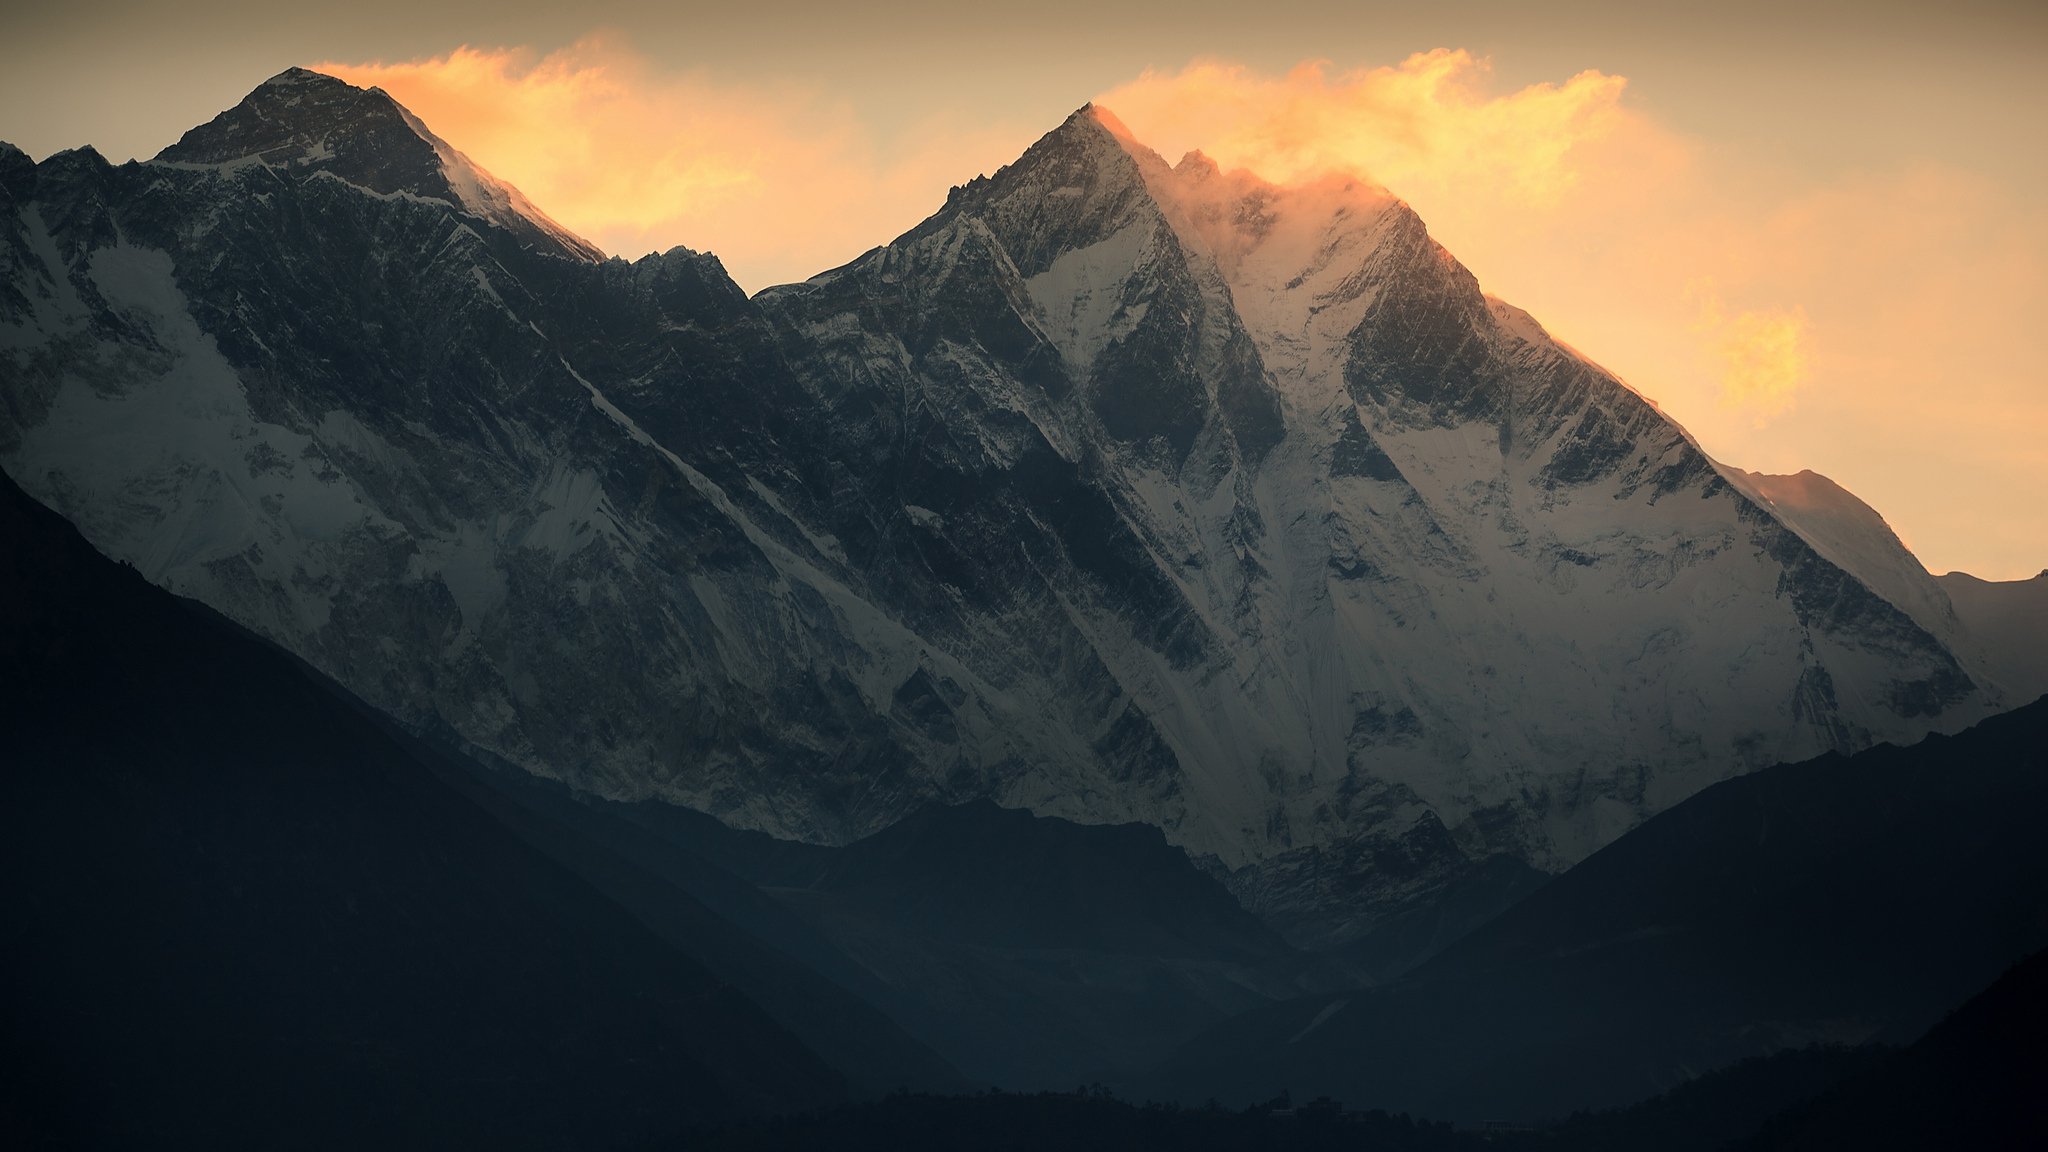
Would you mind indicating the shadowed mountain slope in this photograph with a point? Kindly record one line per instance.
(1028, 950)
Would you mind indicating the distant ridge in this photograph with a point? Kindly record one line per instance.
(2010, 618)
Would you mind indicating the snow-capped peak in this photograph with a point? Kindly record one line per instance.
(304, 120)
(1293, 256)
(296, 77)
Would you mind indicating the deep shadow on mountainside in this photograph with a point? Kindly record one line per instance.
(1036, 949)
(240, 913)
(1845, 899)
(1974, 1081)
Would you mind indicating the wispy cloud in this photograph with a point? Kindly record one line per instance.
(1762, 353)
(1428, 120)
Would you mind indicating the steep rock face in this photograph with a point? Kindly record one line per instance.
(1118, 491)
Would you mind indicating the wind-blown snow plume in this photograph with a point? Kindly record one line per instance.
(1426, 122)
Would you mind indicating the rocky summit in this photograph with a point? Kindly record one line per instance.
(1118, 491)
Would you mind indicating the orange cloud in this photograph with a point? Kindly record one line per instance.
(1763, 356)
(1427, 121)
(1765, 361)
(780, 184)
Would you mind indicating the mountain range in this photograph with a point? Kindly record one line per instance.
(1116, 491)
(1143, 625)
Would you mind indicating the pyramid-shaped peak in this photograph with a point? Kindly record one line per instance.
(1091, 126)
(1078, 184)
(296, 116)
(295, 77)
(1090, 155)
(307, 121)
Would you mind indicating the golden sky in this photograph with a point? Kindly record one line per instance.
(1815, 234)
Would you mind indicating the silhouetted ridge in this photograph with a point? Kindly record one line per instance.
(1974, 1081)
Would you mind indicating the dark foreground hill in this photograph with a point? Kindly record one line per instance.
(1972, 1082)
(240, 914)
(1845, 899)
(1979, 1079)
